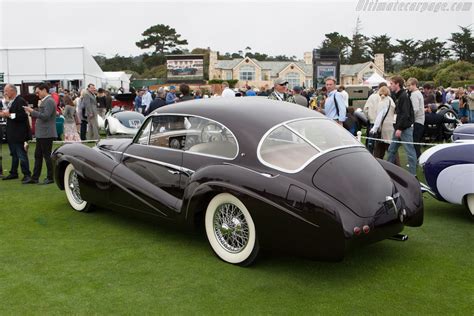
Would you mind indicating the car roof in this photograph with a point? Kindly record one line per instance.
(248, 117)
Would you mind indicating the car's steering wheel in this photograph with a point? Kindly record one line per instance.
(212, 132)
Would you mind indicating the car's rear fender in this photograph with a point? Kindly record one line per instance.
(279, 226)
(410, 191)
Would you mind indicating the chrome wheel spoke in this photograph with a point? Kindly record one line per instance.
(74, 187)
(231, 228)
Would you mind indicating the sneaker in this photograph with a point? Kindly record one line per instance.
(10, 177)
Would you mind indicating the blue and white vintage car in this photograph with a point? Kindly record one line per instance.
(449, 172)
(465, 131)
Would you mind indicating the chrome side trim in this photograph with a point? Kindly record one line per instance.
(186, 152)
(162, 163)
(266, 175)
(111, 151)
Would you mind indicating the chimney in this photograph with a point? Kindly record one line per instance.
(212, 64)
(308, 58)
(379, 62)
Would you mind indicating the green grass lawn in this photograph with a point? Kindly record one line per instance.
(57, 261)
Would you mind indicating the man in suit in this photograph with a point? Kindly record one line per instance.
(45, 132)
(18, 129)
(90, 104)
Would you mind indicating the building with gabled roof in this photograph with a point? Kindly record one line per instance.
(358, 73)
(261, 74)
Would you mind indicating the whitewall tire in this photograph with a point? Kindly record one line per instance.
(72, 189)
(231, 230)
(470, 203)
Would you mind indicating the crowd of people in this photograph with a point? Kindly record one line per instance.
(396, 115)
(79, 111)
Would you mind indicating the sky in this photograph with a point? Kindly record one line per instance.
(272, 27)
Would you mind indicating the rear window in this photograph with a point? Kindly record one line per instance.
(290, 146)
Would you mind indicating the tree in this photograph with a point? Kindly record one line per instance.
(248, 50)
(416, 72)
(162, 37)
(153, 60)
(432, 52)
(359, 49)
(119, 63)
(381, 45)
(155, 72)
(281, 58)
(463, 44)
(409, 50)
(340, 42)
(258, 56)
(459, 71)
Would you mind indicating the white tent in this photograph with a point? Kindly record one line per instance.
(118, 79)
(374, 80)
(72, 66)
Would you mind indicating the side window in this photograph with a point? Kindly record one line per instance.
(210, 138)
(193, 134)
(169, 131)
(144, 134)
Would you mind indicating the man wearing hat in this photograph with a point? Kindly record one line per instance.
(299, 99)
(280, 91)
(171, 96)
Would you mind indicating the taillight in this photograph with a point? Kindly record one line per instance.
(366, 229)
(357, 231)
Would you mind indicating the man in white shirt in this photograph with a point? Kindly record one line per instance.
(227, 92)
(344, 94)
(146, 101)
(419, 108)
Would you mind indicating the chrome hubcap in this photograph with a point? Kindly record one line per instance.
(74, 187)
(231, 228)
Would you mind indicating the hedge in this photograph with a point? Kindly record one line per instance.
(462, 83)
(231, 82)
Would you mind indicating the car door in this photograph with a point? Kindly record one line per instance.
(151, 168)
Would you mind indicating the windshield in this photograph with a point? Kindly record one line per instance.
(290, 146)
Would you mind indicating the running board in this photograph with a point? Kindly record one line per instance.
(399, 237)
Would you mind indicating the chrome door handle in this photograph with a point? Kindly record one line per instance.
(173, 171)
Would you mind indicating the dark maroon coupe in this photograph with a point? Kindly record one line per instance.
(258, 173)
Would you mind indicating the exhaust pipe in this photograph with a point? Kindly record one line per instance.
(399, 237)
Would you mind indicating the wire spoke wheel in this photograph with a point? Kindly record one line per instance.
(230, 230)
(73, 190)
(74, 186)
